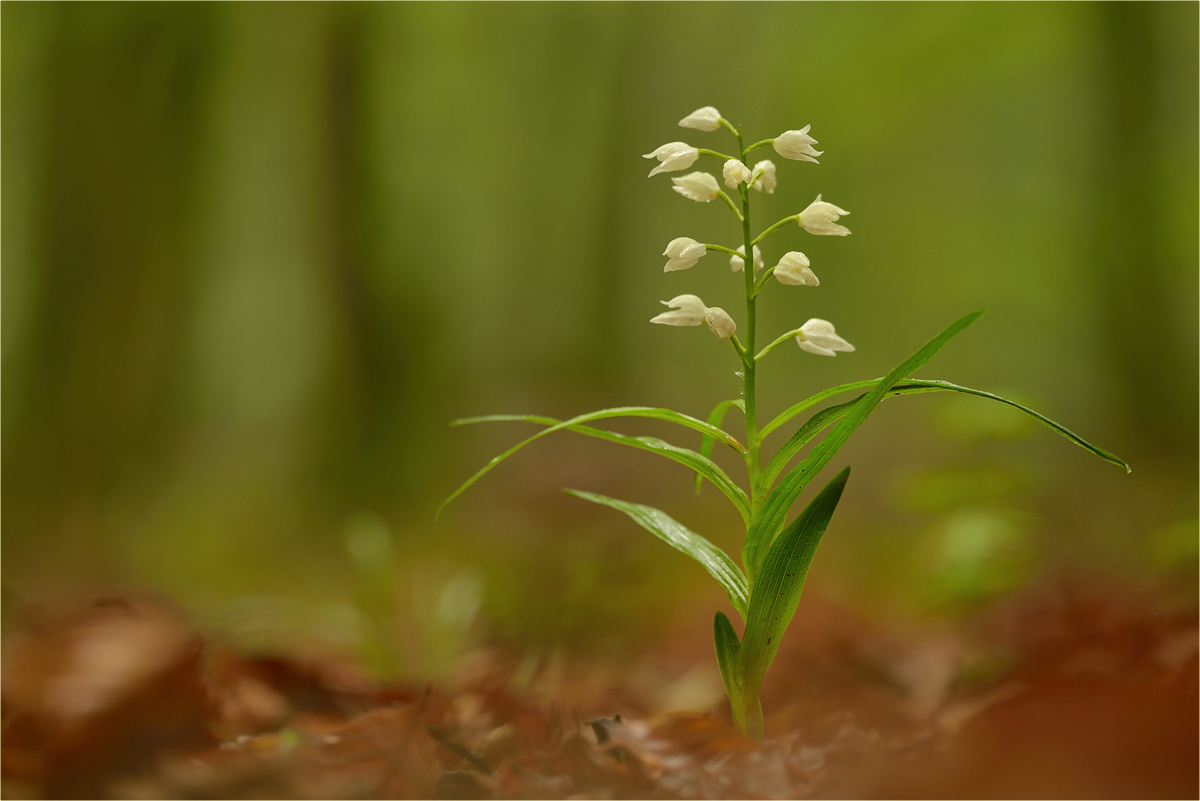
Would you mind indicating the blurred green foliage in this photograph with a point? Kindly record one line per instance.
(256, 256)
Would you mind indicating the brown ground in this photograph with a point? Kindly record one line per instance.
(1060, 693)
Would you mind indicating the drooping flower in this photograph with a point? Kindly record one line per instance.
(817, 336)
(674, 156)
(719, 322)
(797, 145)
(702, 119)
(735, 173)
(684, 253)
(698, 186)
(738, 263)
(793, 270)
(685, 310)
(820, 217)
(764, 176)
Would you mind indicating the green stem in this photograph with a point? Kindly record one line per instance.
(723, 249)
(747, 711)
(755, 146)
(776, 227)
(780, 341)
(753, 445)
(713, 153)
(730, 204)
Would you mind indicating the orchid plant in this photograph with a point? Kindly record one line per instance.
(776, 554)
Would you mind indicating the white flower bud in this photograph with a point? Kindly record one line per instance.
(738, 263)
(817, 336)
(685, 310)
(793, 270)
(702, 119)
(820, 217)
(736, 173)
(698, 186)
(684, 253)
(764, 176)
(674, 156)
(797, 145)
(719, 322)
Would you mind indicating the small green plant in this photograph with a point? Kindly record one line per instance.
(776, 554)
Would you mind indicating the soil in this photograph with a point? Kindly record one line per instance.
(1061, 692)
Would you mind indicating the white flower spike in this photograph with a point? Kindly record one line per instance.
(797, 145)
(738, 263)
(719, 322)
(764, 176)
(685, 310)
(702, 119)
(817, 336)
(698, 186)
(820, 218)
(684, 253)
(793, 270)
(735, 173)
(674, 156)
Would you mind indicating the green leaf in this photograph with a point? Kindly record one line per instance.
(678, 536)
(913, 386)
(777, 591)
(792, 411)
(626, 411)
(727, 644)
(715, 418)
(771, 516)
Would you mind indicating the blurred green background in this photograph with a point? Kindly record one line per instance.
(257, 256)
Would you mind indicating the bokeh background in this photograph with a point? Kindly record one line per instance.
(257, 257)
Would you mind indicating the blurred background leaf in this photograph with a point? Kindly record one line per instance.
(256, 257)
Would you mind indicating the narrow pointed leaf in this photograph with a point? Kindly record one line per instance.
(777, 591)
(914, 386)
(678, 536)
(792, 411)
(715, 418)
(770, 517)
(625, 411)
(726, 641)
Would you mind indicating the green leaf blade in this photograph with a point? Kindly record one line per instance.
(770, 518)
(777, 591)
(557, 425)
(726, 641)
(660, 524)
(715, 418)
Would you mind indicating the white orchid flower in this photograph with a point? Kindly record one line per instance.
(793, 270)
(719, 322)
(735, 173)
(764, 176)
(685, 310)
(698, 186)
(674, 156)
(702, 119)
(738, 263)
(820, 217)
(684, 253)
(796, 145)
(817, 336)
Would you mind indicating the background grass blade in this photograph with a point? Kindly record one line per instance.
(678, 536)
(777, 592)
(715, 418)
(770, 518)
(624, 411)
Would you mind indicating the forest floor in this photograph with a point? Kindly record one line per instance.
(1059, 692)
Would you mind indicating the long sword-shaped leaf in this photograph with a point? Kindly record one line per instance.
(726, 641)
(792, 411)
(770, 518)
(678, 536)
(777, 591)
(914, 386)
(625, 411)
(715, 418)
